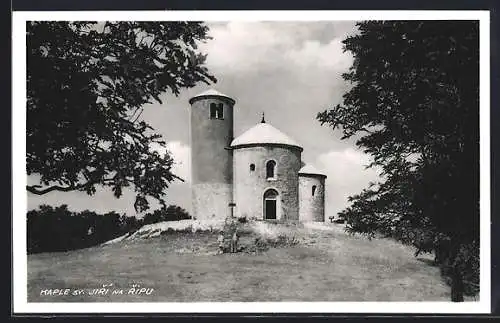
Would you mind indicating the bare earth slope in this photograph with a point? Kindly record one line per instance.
(326, 265)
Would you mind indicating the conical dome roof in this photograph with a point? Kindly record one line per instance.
(210, 93)
(310, 170)
(262, 134)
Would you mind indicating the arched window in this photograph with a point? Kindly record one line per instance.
(271, 169)
(216, 111)
(313, 190)
(252, 167)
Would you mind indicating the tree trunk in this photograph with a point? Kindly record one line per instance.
(457, 285)
(441, 253)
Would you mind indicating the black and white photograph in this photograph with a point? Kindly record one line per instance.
(232, 161)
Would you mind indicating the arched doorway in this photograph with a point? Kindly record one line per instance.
(270, 204)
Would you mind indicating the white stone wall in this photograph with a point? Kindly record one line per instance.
(211, 200)
(312, 208)
(249, 187)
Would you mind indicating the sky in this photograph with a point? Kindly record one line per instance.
(289, 70)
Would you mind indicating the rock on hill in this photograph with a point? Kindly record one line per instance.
(156, 229)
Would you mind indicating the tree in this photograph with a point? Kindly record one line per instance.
(170, 213)
(87, 83)
(59, 229)
(414, 107)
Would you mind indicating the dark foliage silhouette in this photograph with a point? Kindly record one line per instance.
(414, 107)
(87, 84)
(59, 229)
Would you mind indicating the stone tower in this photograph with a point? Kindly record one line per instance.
(211, 131)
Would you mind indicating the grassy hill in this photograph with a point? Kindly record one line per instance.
(326, 265)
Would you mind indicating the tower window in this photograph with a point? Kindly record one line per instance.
(252, 167)
(313, 190)
(213, 110)
(216, 111)
(271, 169)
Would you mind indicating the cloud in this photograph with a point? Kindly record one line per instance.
(181, 154)
(256, 46)
(313, 54)
(239, 46)
(346, 176)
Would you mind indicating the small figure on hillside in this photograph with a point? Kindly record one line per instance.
(220, 241)
(234, 241)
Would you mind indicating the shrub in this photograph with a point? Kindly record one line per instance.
(170, 213)
(59, 229)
